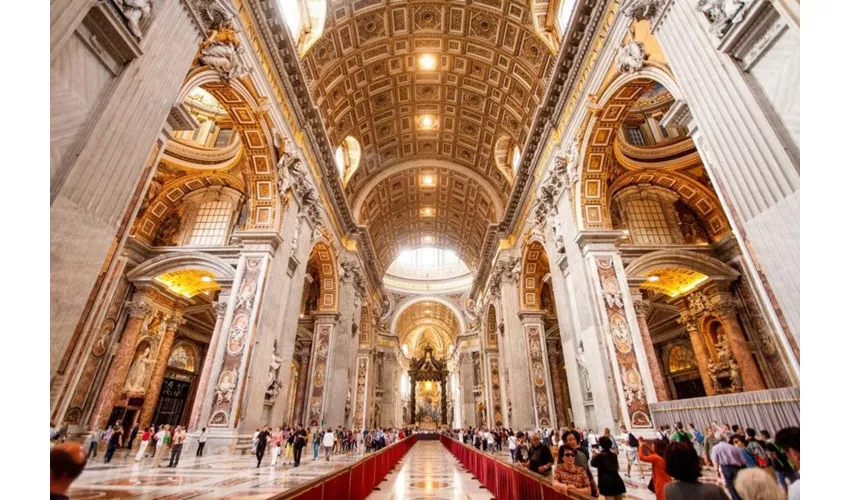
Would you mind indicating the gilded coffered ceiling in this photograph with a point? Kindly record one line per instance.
(428, 206)
(429, 80)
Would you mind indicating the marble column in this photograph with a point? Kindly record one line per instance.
(360, 394)
(656, 373)
(204, 380)
(691, 324)
(443, 405)
(323, 338)
(726, 311)
(412, 401)
(467, 403)
(495, 409)
(158, 373)
(138, 311)
(538, 369)
(754, 169)
(101, 154)
(301, 388)
(515, 347)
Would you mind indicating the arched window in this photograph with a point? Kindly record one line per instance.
(347, 158)
(681, 358)
(208, 217)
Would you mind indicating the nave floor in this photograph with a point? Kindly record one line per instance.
(430, 471)
(211, 477)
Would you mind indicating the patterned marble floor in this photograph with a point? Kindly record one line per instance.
(430, 471)
(209, 477)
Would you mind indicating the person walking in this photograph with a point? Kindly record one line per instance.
(163, 439)
(133, 433)
(288, 446)
(146, 440)
(262, 442)
(202, 441)
(788, 439)
(328, 441)
(92, 443)
(317, 439)
(512, 443)
(115, 442)
(682, 464)
(276, 444)
(630, 443)
(254, 441)
(680, 435)
(177, 441)
(697, 439)
(655, 457)
(611, 485)
(298, 445)
(728, 460)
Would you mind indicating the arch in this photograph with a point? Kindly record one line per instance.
(535, 265)
(245, 108)
(328, 284)
(363, 192)
(667, 259)
(597, 151)
(222, 272)
(698, 197)
(193, 358)
(428, 298)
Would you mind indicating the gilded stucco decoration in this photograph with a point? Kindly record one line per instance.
(674, 282)
(189, 282)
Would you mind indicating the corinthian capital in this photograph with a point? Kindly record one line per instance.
(641, 307)
(689, 321)
(173, 322)
(138, 309)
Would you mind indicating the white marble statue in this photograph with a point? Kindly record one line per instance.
(135, 11)
(630, 57)
(223, 54)
(137, 377)
(585, 372)
(272, 384)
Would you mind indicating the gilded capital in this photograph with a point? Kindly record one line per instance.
(138, 309)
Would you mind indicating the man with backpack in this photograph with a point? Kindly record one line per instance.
(630, 444)
(680, 436)
(697, 439)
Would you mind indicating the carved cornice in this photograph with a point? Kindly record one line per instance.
(284, 58)
(574, 47)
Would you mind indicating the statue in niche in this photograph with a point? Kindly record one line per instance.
(585, 372)
(223, 53)
(169, 228)
(272, 383)
(348, 403)
(735, 375)
(137, 376)
(692, 229)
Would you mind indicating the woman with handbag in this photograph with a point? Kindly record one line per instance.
(655, 457)
(611, 485)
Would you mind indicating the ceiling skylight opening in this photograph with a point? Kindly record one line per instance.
(427, 62)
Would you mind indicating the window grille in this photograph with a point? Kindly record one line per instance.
(211, 224)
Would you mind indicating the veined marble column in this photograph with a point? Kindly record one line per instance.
(538, 368)
(158, 373)
(138, 311)
(203, 382)
(725, 310)
(323, 338)
(655, 371)
(301, 388)
(691, 324)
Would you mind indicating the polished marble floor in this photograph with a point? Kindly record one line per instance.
(209, 477)
(430, 471)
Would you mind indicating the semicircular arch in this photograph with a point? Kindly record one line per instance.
(328, 278)
(428, 298)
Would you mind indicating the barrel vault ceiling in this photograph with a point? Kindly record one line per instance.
(367, 80)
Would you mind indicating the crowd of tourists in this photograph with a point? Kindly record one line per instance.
(290, 442)
(749, 464)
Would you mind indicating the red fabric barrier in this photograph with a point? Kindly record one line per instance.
(503, 480)
(357, 481)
